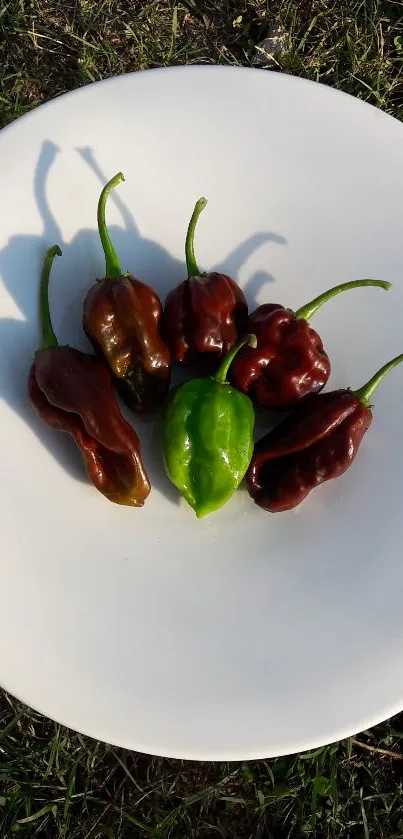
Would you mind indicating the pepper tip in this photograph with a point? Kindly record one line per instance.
(201, 512)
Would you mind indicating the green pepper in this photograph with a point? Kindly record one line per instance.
(207, 437)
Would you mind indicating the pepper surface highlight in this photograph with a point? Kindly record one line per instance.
(207, 438)
(205, 314)
(122, 319)
(317, 442)
(289, 362)
(73, 392)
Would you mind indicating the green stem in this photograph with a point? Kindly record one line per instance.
(49, 337)
(191, 263)
(306, 312)
(222, 372)
(364, 393)
(112, 263)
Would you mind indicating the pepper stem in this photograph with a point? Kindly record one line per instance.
(364, 393)
(222, 372)
(49, 337)
(191, 264)
(306, 312)
(112, 263)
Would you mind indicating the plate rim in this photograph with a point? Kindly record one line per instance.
(144, 748)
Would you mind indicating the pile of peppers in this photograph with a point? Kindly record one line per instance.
(270, 358)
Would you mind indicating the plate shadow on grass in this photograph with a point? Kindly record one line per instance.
(82, 262)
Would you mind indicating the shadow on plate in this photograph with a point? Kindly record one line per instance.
(82, 262)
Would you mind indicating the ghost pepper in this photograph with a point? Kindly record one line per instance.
(317, 442)
(122, 319)
(205, 314)
(73, 392)
(207, 438)
(289, 361)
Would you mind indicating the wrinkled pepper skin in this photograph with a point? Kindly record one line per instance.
(317, 442)
(204, 317)
(206, 314)
(289, 362)
(122, 319)
(73, 392)
(207, 440)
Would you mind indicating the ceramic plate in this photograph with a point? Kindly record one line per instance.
(242, 635)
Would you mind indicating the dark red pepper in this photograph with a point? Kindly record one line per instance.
(205, 314)
(122, 319)
(315, 443)
(73, 392)
(289, 362)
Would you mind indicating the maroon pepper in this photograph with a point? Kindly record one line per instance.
(73, 392)
(317, 442)
(205, 314)
(122, 318)
(289, 362)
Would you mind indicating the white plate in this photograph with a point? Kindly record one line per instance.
(244, 634)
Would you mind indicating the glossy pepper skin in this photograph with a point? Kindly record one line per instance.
(289, 362)
(317, 442)
(205, 314)
(73, 392)
(122, 318)
(207, 438)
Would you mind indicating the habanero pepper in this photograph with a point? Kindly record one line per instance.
(207, 438)
(73, 392)
(205, 314)
(122, 319)
(289, 362)
(317, 442)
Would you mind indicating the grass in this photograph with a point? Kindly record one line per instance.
(49, 47)
(55, 784)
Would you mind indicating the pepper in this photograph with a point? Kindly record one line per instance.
(73, 392)
(207, 438)
(122, 319)
(205, 314)
(289, 362)
(314, 444)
